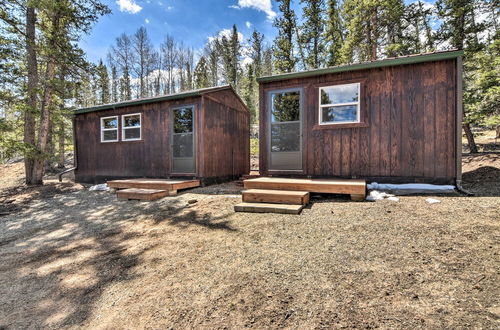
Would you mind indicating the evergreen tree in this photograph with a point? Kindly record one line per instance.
(114, 84)
(256, 44)
(249, 94)
(460, 29)
(333, 34)
(103, 82)
(229, 49)
(312, 33)
(201, 74)
(284, 58)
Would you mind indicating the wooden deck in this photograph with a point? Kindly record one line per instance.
(160, 184)
(150, 189)
(290, 196)
(331, 186)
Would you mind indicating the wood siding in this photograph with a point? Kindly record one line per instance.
(226, 149)
(151, 156)
(409, 133)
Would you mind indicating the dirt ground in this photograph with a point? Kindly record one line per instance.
(72, 258)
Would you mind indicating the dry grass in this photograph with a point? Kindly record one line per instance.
(73, 258)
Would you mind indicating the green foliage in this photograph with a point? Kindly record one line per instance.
(201, 74)
(254, 146)
(312, 36)
(334, 37)
(284, 58)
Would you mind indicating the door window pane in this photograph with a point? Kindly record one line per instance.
(183, 145)
(285, 137)
(285, 106)
(183, 120)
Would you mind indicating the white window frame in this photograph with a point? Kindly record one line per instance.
(109, 129)
(125, 128)
(358, 105)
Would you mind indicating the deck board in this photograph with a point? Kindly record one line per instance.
(332, 186)
(141, 194)
(160, 184)
(268, 208)
(275, 196)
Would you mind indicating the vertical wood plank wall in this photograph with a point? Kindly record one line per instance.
(151, 156)
(226, 143)
(410, 131)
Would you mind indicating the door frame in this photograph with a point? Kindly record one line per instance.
(269, 119)
(195, 144)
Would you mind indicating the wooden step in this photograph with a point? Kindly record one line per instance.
(268, 208)
(353, 187)
(276, 196)
(159, 184)
(142, 194)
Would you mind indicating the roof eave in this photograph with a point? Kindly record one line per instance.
(150, 100)
(412, 59)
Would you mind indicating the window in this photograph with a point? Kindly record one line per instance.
(131, 127)
(339, 104)
(109, 129)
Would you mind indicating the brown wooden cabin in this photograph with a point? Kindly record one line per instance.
(202, 133)
(393, 120)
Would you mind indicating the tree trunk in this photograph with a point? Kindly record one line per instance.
(29, 114)
(470, 138)
(497, 136)
(50, 145)
(60, 163)
(43, 134)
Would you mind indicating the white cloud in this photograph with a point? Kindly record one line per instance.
(170, 7)
(261, 5)
(129, 6)
(225, 33)
(248, 24)
(147, 21)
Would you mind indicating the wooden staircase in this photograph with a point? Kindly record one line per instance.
(149, 189)
(290, 196)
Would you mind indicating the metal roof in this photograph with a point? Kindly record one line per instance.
(410, 59)
(176, 96)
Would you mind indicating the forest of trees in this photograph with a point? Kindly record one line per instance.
(44, 75)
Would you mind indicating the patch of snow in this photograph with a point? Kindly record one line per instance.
(411, 188)
(99, 187)
(376, 195)
(432, 200)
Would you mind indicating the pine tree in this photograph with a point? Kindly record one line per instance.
(114, 84)
(256, 44)
(460, 30)
(312, 33)
(201, 74)
(229, 49)
(249, 94)
(333, 33)
(103, 83)
(284, 59)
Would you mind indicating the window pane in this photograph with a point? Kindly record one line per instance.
(338, 114)
(183, 145)
(183, 120)
(132, 133)
(110, 123)
(339, 94)
(285, 137)
(131, 121)
(285, 106)
(110, 135)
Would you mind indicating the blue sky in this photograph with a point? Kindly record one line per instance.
(189, 21)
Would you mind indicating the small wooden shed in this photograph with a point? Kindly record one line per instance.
(201, 134)
(392, 120)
